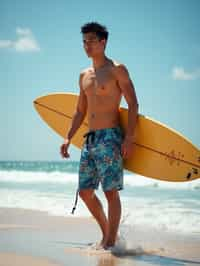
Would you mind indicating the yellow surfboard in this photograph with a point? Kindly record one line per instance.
(159, 152)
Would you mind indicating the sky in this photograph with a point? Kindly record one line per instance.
(41, 52)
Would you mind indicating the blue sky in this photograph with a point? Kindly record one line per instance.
(41, 52)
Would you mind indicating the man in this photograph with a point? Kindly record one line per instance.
(101, 88)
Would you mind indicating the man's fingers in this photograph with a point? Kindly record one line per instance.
(125, 154)
(123, 151)
(63, 151)
(61, 148)
(66, 155)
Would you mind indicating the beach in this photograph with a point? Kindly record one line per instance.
(30, 237)
(160, 222)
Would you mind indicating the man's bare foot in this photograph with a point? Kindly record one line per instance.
(111, 242)
(100, 245)
(105, 243)
(109, 245)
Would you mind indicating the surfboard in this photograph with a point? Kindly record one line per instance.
(159, 152)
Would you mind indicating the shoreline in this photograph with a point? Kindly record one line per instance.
(35, 236)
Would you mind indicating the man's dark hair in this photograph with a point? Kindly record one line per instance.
(100, 30)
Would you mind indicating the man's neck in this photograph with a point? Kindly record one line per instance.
(99, 61)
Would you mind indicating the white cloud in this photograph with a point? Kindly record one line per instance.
(179, 73)
(23, 31)
(25, 41)
(5, 44)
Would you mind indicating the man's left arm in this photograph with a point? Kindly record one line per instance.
(128, 90)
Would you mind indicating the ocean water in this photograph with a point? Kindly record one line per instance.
(51, 187)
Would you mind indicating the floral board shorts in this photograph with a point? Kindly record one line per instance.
(101, 160)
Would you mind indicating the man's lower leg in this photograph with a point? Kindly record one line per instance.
(114, 215)
(95, 207)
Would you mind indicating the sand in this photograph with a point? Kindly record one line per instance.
(10, 259)
(35, 238)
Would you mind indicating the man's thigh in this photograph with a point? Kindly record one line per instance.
(88, 178)
(110, 167)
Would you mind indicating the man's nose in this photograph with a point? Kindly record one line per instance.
(87, 44)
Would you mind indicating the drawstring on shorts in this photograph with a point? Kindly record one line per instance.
(75, 203)
(88, 135)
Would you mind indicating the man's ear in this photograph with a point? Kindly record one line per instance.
(104, 42)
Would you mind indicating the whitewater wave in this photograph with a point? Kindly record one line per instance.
(130, 180)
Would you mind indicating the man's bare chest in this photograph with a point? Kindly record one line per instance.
(102, 83)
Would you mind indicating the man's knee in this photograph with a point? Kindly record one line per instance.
(86, 194)
(112, 195)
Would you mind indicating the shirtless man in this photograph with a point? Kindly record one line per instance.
(101, 88)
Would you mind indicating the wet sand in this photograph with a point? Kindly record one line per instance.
(35, 238)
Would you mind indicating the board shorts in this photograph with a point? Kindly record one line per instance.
(101, 160)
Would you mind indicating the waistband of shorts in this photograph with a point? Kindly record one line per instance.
(105, 130)
(93, 135)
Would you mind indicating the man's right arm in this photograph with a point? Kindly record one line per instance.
(78, 117)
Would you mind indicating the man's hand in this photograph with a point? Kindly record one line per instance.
(64, 149)
(127, 148)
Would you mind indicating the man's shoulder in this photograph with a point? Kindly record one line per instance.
(118, 64)
(85, 71)
(119, 67)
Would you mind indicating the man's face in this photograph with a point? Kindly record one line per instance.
(92, 45)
